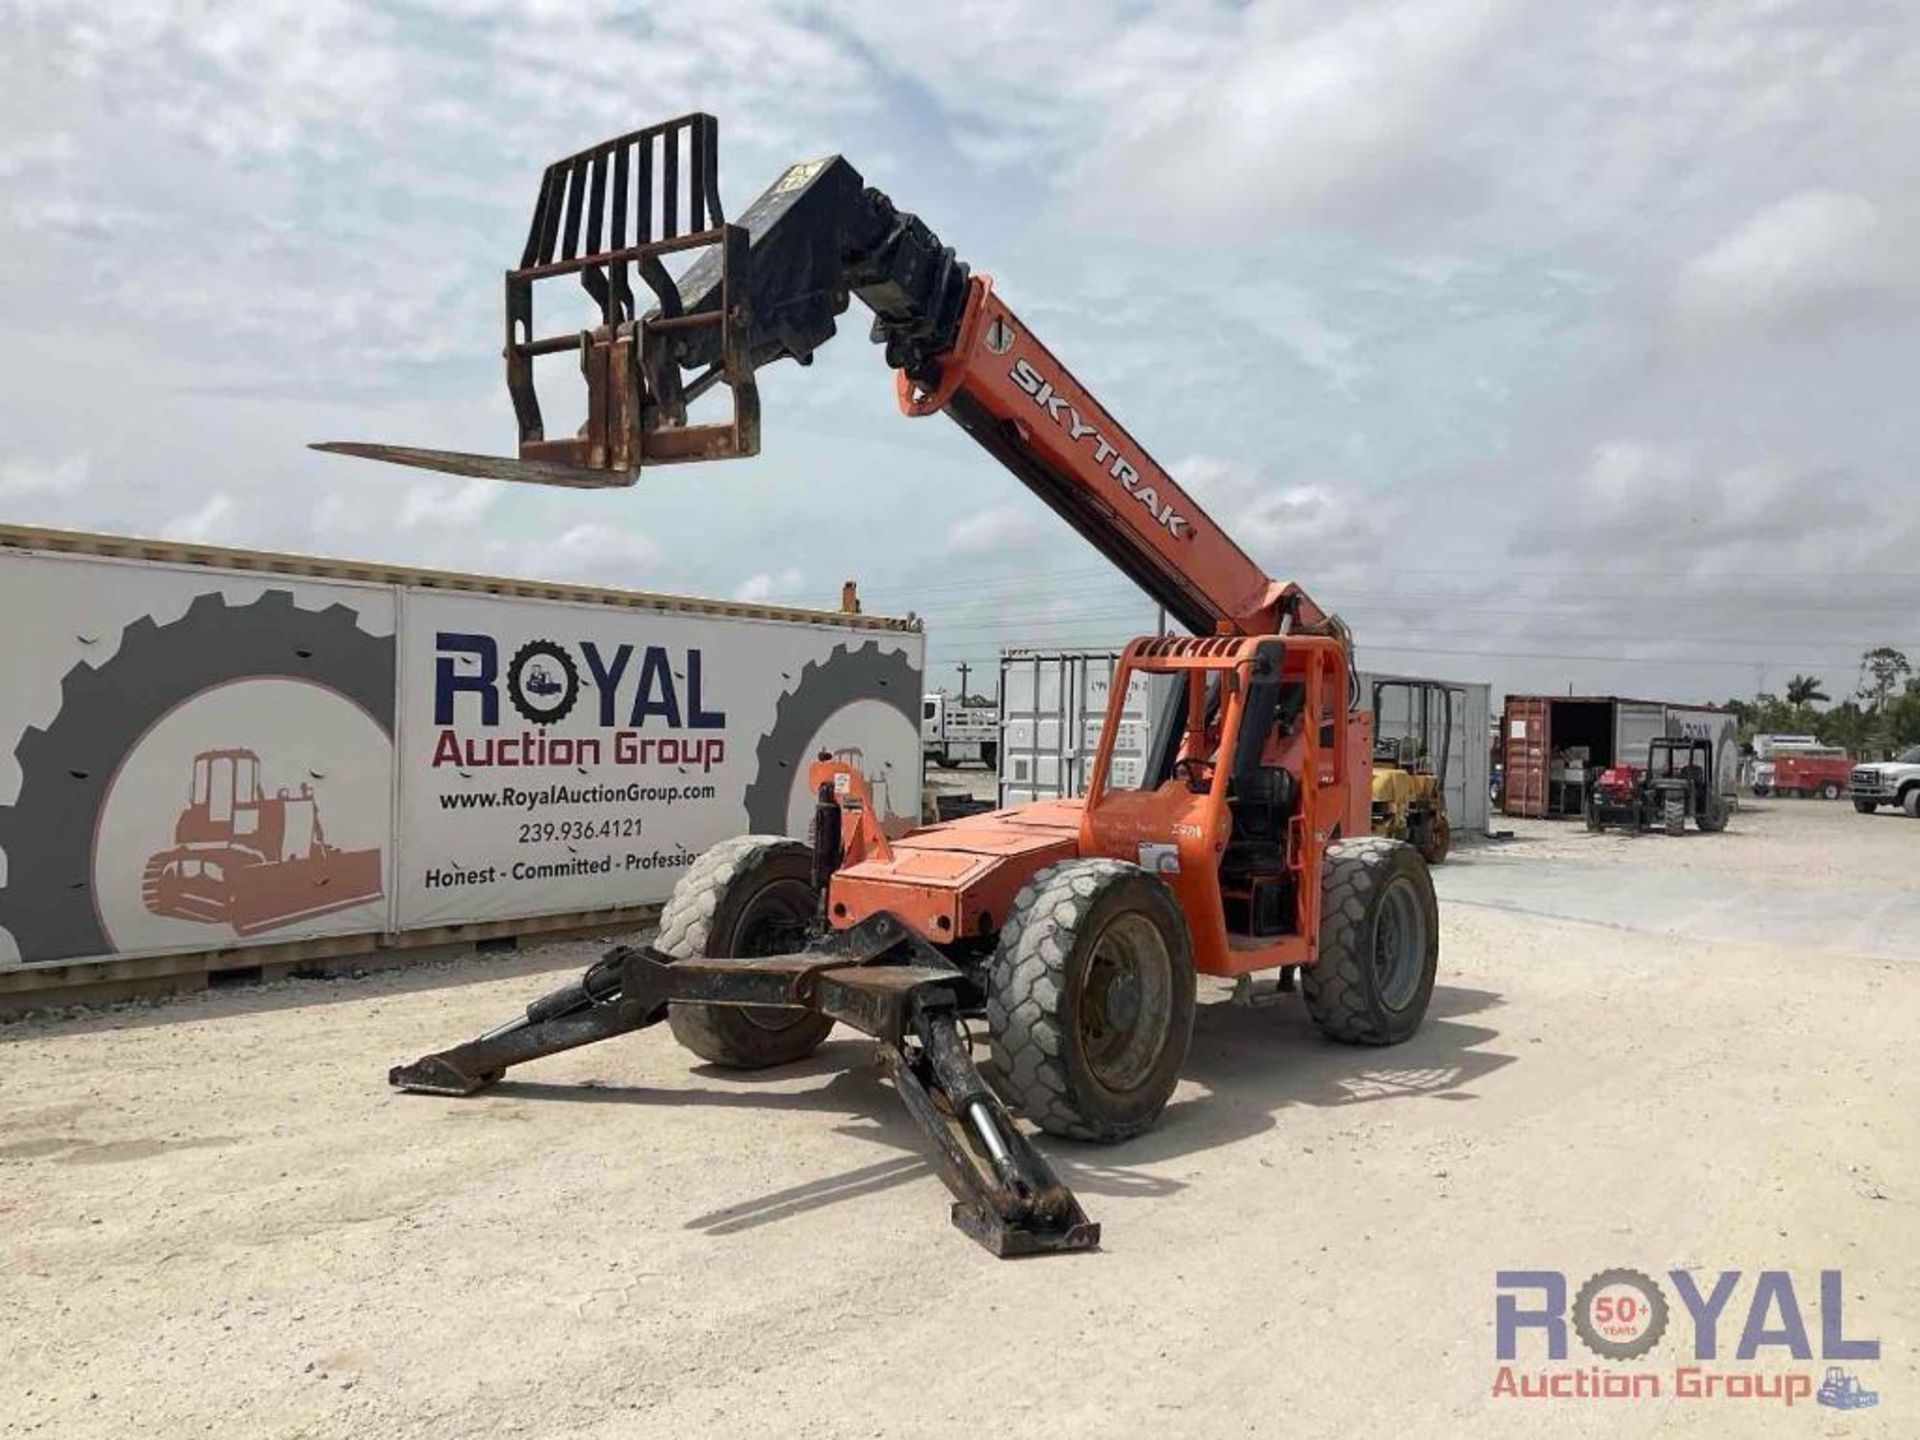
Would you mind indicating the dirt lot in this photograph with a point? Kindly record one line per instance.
(220, 1221)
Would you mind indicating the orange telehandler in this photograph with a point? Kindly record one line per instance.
(1074, 927)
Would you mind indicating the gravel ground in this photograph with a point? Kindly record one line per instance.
(220, 1220)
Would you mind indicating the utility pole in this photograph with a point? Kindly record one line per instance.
(965, 670)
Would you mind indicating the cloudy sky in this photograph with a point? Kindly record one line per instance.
(1555, 345)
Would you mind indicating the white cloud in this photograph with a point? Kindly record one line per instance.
(245, 82)
(1300, 116)
(1799, 260)
(211, 522)
(1287, 527)
(604, 552)
(1017, 525)
(770, 585)
(21, 478)
(25, 155)
(1673, 511)
(1290, 313)
(456, 505)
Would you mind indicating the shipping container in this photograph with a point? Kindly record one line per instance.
(1053, 706)
(1552, 746)
(1469, 792)
(216, 752)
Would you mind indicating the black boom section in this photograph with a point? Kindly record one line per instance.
(818, 236)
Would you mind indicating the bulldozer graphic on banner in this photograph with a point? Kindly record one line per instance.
(253, 861)
(540, 682)
(1843, 1391)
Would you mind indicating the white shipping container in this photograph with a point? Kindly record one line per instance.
(1720, 726)
(207, 749)
(1053, 706)
(1469, 799)
(1637, 722)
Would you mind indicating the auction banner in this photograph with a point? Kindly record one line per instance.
(558, 756)
(191, 759)
(195, 758)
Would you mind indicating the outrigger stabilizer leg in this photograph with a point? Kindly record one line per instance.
(879, 978)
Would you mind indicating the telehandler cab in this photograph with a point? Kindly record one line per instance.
(1076, 927)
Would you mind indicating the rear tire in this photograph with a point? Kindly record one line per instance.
(749, 896)
(1379, 944)
(1439, 841)
(1090, 1000)
(1829, 791)
(1673, 814)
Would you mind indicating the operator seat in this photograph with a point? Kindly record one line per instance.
(1262, 799)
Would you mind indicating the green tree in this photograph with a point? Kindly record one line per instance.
(1806, 690)
(1882, 671)
(1775, 716)
(1901, 722)
(1845, 725)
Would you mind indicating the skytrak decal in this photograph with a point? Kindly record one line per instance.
(1105, 452)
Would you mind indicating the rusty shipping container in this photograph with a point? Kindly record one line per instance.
(1551, 746)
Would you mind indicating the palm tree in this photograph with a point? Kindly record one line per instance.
(1805, 690)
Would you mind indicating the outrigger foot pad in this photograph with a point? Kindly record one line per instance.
(1006, 1196)
(877, 977)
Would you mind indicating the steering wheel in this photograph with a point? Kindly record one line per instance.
(1197, 771)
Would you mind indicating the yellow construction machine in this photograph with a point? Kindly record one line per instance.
(1412, 733)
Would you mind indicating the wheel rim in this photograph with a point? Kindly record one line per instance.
(1399, 945)
(773, 922)
(1125, 998)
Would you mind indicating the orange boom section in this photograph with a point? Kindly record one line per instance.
(1014, 396)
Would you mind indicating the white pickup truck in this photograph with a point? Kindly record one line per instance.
(1888, 782)
(951, 732)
